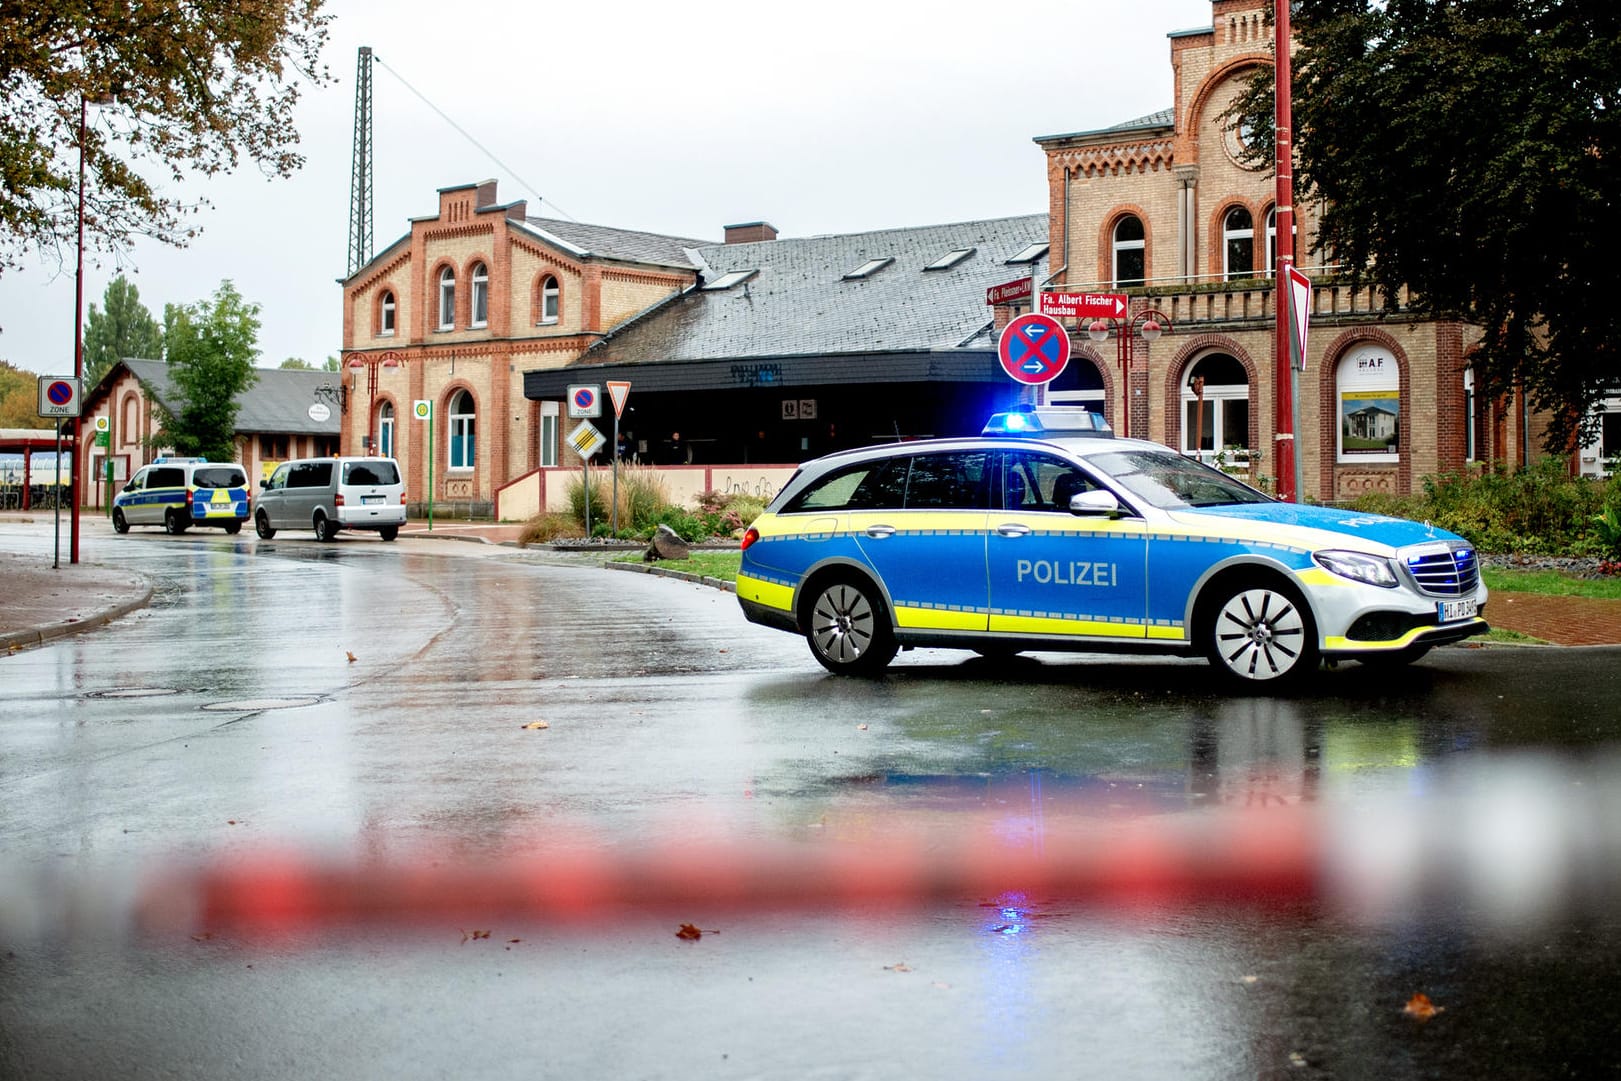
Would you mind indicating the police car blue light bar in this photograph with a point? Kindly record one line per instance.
(1048, 420)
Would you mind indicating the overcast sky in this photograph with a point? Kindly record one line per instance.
(838, 117)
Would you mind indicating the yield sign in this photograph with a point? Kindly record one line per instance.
(619, 390)
(1299, 315)
(1033, 349)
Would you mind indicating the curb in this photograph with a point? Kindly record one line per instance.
(684, 576)
(38, 636)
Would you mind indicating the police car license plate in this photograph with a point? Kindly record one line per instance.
(371, 499)
(1452, 611)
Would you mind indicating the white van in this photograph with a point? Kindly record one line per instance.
(329, 494)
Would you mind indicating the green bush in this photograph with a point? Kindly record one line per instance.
(1540, 510)
(575, 490)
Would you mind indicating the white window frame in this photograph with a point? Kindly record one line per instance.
(1117, 246)
(385, 315)
(1214, 395)
(461, 453)
(548, 434)
(1369, 373)
(447, 298)
(385, 430)
(550, 294)
(1230, 233)
(480, 296)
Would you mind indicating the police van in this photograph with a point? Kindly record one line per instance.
(178, 493)
(1047, 533)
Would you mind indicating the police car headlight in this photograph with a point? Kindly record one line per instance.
(1367, 569)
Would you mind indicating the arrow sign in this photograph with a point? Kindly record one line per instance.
(1083, 305)
(1033, 349)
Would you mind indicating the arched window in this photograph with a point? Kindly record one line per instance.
(129, 430)
(1367, 388)
(1130, 251)
(1238, 244)
(1272, 240)
(463, 447)
(447, 298)
(385, 429)
(385, 314)
(1216, 415)
(481, 295)
(548, 299)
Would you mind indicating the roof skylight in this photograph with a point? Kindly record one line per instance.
(950, 259)
(729, 279)
(869, 268)
(1030, 253)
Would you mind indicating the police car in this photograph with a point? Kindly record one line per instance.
(1047, 533)
(178, 493)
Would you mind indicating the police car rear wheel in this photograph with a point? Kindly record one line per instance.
(849, 631)
(172, 522)
(1261, 632)
(233, 528)
(120, 523)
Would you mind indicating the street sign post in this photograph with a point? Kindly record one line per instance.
(1082, 305)
(1033, 349)
(1299, 314)
(586, 441)
(422, 409)
(58, 396)
(584, 400)
(1008, 292)
(618, 390)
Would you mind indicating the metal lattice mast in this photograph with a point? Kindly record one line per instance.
(360, 237)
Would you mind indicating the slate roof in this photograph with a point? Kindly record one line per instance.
(278, 403)
(1164, 118)
(604, 242)
(799, 303)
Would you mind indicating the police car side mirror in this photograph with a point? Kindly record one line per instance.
(1094, 503)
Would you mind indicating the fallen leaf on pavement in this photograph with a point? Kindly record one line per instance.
(689, 933)
(537, 724)
(474, 935)
(1421, 1007)
(899, 966)
(351, 656)
(861, 728)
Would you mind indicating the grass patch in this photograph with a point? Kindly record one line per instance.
(1507, 637)
(722, 565)
(1551, 583)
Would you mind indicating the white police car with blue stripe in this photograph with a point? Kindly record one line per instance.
(1046, 533)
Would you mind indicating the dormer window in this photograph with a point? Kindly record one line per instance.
(385, 314)
(549, 294)
(868, 269)
(481, 295)
(447, 299)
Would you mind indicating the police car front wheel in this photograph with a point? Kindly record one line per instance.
(120, 523)
(848, 628)
(1260, 631)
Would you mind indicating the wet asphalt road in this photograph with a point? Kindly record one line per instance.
(1463, 816)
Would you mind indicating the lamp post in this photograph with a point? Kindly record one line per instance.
(78, 344)
(371, 363)
(1150, 323)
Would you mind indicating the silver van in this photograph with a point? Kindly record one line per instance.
(329, 494)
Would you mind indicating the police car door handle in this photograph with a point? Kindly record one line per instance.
(1012, 529)
(879, 532)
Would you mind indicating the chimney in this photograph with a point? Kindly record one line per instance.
(750, 231)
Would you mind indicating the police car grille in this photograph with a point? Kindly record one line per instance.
(1447, 574)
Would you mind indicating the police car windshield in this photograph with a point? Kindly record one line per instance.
(1167, 480)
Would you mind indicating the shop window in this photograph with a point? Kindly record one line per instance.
(1130, 251)
(463, 446)
(1367, 393)
(1222, 429)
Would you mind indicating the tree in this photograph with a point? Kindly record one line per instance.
(297, 364)
(1471, 150)
(124, 329)
(211, 346)
(19, 398)
(196, 87)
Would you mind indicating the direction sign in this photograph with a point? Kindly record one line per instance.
(586, 440)
(619, 390)
(58, 396)
(1083, 305)
(584, 400)
(1033, 349)
(1008, 292)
